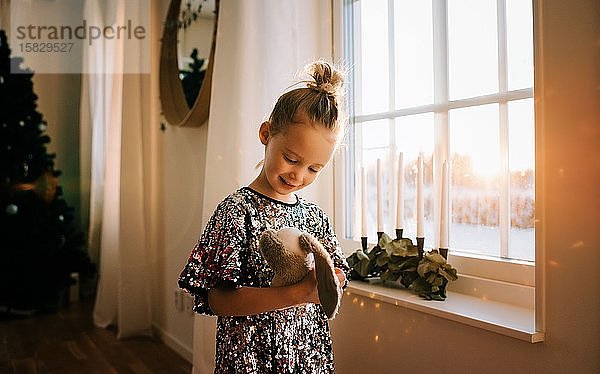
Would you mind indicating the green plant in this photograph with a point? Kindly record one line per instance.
(398, 260)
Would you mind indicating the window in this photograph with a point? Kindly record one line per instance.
(453, 80)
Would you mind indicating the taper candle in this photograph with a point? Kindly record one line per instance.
(420, 203)
(444, 208)
(400, 189)
(363, 203)
(379, 198)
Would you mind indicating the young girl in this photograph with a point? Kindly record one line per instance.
(280, 329)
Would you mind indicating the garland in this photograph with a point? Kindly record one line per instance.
(398, 260)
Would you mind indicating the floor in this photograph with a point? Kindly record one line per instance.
(66, 341)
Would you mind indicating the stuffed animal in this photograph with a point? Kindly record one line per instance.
(291, 253)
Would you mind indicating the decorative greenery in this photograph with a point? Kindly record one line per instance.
(398, 260)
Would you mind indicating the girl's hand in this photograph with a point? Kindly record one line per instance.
(308, 288)
(309, 285)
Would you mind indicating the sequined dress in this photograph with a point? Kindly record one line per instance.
(292, 340)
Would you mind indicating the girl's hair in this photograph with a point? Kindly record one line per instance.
(321, 100)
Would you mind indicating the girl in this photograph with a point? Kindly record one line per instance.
(280, 329)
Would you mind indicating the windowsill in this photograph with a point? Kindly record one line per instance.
(516, 322)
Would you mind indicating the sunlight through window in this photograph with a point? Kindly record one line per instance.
(452, 80)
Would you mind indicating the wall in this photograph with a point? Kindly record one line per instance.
(180, 155)
(183, 166)
(568, 221)
(58, 101)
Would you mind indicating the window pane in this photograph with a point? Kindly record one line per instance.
(414, 53)
(374, 96)
(522, 178)
(472, 48)
(474, 194)
(519, 32)
(374, 136)
(369, 161)
(414, 134)
(374, 133)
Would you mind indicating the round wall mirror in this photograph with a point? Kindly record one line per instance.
(186, 61)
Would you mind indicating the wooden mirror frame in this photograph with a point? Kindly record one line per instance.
(172, 98)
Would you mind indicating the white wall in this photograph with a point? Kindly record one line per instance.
(183, 181)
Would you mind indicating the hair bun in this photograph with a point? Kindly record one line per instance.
(325, 78)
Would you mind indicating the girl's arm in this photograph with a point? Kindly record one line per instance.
(246, 301)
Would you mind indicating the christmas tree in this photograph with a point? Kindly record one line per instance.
(192, 78)
(39, 245)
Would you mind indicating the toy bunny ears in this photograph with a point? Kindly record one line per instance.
(328, 284)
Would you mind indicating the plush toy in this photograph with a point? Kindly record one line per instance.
(288, 252)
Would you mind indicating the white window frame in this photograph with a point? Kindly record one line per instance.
(504, 280)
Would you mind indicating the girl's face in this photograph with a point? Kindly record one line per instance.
(294, 158)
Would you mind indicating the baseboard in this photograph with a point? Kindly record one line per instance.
(174, 343)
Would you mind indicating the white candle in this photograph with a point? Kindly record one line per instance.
(379, 198)
(420, 204)
(444, 208)
(400, 199)
(363, 203)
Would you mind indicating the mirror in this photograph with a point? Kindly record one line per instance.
(186, 25)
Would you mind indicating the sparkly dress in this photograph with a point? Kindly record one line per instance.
(292, 340)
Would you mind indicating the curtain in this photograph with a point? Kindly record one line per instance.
(112, 123)
(5, 16)
(260, 47)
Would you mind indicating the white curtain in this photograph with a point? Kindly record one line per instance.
(112, 123)
(260, 47)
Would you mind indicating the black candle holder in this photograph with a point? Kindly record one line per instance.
(420, 246)
(363, 241)
(431, 285)
(399, 233)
